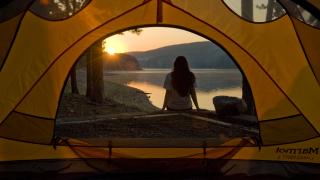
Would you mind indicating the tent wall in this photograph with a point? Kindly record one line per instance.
(8, 30)
(310, 41)
(316, 3)
(27, 128)
(284, 130)
(43, 52)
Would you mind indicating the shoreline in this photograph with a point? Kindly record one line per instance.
(119, 98)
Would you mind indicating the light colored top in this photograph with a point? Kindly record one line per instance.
(175, 101)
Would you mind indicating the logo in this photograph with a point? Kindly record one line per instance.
(310, 150)
(297, 154)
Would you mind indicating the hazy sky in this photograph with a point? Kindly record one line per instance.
(150, 38)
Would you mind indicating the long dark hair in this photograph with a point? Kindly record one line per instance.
(182, 78)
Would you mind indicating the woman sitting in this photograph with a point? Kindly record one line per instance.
(180, 85)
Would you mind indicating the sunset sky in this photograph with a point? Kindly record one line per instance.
(150, 38)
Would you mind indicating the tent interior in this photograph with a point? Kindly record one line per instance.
(273, 43)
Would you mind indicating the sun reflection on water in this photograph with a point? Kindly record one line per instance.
(204, 97)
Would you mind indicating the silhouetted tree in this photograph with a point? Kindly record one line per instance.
(270, 9)
(95, 85)
(247, 9)
(300, 13)
(247, 12)
(88, 55)
(73, 77)
(274, 9)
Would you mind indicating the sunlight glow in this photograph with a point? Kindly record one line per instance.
(111, 50)
(113, 46)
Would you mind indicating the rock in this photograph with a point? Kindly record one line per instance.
(226, 105)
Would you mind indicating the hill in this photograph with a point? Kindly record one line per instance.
(121, 61)
(199, 54)
(116, 62)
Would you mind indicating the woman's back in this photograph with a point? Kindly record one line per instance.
(175, 100)
(179, 85)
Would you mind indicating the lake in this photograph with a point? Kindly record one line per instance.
(210, 83)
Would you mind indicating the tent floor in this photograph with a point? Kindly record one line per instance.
(154, 176)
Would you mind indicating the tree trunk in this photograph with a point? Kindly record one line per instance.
(97, 85)
(89, 72)
(247, 9)
(293, 9)
(247, 96)
(74, 86)
(247, 13)
(270, 8)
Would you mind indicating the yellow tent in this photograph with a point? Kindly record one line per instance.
(280, 59)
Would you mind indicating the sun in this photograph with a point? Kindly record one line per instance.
(113, 46)
(111, 50)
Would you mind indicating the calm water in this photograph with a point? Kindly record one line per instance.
(210, 83)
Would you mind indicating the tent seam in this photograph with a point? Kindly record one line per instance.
(25, 141)
(35, 116)
(275, 119)
(15, 34)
